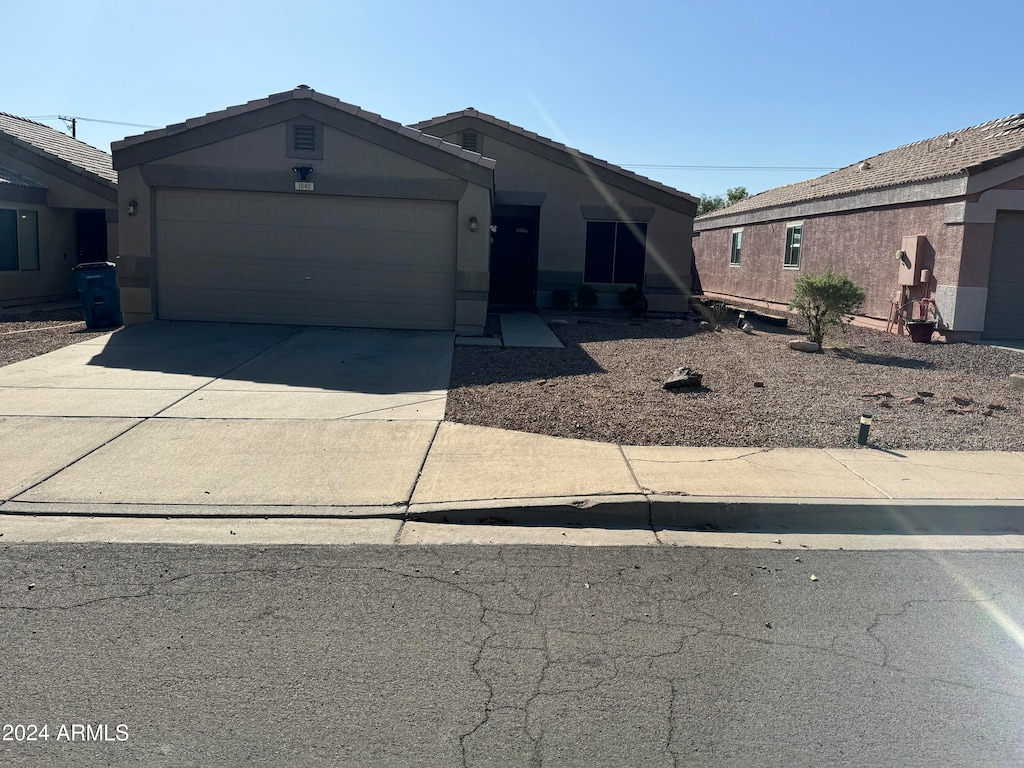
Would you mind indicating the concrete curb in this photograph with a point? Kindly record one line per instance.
(631, 510)
(396, 512)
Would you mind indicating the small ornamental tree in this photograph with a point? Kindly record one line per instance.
(827, 300)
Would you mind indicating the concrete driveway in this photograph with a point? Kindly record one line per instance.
(206, 418)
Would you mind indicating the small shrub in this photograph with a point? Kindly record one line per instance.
(561, 298)
(827, 301)
(628, 297)
(587, 296)
(714, 313)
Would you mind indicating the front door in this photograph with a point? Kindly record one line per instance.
(91, 236)
(514, 260)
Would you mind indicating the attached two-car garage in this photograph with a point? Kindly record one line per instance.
(301, 209)
(305, 259)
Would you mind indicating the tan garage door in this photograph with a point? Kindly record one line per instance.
(305, 259)
(1004, 310)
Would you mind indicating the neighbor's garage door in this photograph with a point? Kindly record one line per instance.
(305, 259)
(1004, 311)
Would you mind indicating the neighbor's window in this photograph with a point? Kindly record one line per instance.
(792, 257)
(19, 241)
(737, 248)
(470, 140)
(616, 252)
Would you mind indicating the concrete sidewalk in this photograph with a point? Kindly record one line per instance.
(261, 422)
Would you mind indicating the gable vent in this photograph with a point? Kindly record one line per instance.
(471, 141)
(305, 138)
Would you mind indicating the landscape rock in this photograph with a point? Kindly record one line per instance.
(914, 399)
(922, 393)
(683, 378)
(882, 393)
(988, 412)
(558, 321)
(962, 400)
(759, 384)
(884, 404)
(996, 406)
(747, 328)
(804, 346)
(705, 325)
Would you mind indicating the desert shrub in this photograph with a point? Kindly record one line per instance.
(587, 296)
(714, 313)
(827, 301)
(561, 298)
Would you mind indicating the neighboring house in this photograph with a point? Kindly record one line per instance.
(302, 209)
(58, 208)
(941, 219)
(563, 219)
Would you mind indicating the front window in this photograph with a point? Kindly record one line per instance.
(616, 252)
(737, 247)
(792, 257)
(19, 241)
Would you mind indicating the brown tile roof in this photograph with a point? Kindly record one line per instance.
(54, 145)
(471, 112)
(305, 92)
(951, 154)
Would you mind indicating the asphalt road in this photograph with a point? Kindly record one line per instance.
(509, 656)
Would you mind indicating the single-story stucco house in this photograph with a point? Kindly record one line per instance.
(58, 208)
(940, 219)
(563, 219)
(300, 208)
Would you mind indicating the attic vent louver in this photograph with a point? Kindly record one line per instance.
(305, 138)
(470, 140)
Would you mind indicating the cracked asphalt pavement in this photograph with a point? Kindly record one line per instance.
(512, 656)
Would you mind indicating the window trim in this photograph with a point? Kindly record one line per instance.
(736, 248)
(615, 245)
(788, 251)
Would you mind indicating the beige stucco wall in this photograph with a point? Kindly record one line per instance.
(563, 228)
(56, 258)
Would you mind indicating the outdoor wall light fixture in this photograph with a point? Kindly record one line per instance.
(303, 171)
(132, 207)
(474, 225)
(865, 427)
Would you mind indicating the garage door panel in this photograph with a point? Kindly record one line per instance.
(306, 259)
(1004, 311)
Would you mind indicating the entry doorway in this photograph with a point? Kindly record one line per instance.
(514, 246)
(90, 236)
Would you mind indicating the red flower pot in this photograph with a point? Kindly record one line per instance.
(921, 330)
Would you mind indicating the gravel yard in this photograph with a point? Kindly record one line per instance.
(607, 385)
(25, 336)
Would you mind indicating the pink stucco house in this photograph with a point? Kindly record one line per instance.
(940, 219)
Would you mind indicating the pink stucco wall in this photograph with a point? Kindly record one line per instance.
(862, 244)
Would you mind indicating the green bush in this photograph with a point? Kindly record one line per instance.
(587, 296)
(827, 300)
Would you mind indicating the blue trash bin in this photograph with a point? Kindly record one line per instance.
(101, 299)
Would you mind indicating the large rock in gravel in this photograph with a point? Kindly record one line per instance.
(804, 346)
(683, 378)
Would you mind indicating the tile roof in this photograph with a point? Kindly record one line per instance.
(51, 143)
(471, 112)
(305, 92)
(951, 154)
(17, 180)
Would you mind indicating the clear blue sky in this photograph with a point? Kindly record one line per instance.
(718, 83)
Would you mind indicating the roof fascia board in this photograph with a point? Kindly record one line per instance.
(12, 193)
(935, 189)
(982, 179)
(564, 158)
(55, 166)
(244, 122)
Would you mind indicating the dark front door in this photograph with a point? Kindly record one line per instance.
(514, 260)
(91, 236)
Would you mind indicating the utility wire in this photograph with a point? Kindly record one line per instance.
(729, 167)
(90, 120)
